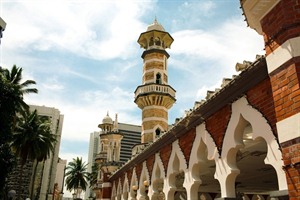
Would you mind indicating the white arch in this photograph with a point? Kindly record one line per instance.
(260, 128)
(114, 191)
(133, 183)
(157, 167)
(119, 189)
(125, 187)
(144, 177)
(169, 186)
(192, 182)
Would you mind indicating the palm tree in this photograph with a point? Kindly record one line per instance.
(13, 78)
(12, 90)
(76, 175)
(93, 176)
(32, 140)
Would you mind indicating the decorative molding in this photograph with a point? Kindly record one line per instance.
(289, 128)
(255, 10)
(288, 50)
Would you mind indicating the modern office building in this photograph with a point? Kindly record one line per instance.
(93, 150)
(60, 175)
(49, 167)
(131, 137)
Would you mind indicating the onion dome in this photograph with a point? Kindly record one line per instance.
(107, 120)
(155, 26)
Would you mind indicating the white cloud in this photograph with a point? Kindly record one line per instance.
(82, 117)
(99, 30)
(229, 43)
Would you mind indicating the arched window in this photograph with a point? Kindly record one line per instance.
(151, 42)
(157, 132)
(157, 41)
(158, 78)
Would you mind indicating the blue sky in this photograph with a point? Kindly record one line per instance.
(86, 61)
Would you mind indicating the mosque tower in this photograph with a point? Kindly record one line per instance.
(108, 158)
(154, 97)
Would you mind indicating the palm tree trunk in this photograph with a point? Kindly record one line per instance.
(37, 195)
(21, 180)
(33, 179)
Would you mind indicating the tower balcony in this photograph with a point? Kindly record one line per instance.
(101, 157)
(154, 94)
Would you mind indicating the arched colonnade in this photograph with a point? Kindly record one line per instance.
(248, 167)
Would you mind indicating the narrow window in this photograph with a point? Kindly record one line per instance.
(158, 78)
(151, 43)
(157, 132)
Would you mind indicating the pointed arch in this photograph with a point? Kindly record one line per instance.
(242, 112)
(134, 184)
(177, 161)
(157, 178)
(125, 187)
(203, 150)
(119, 190)
(114, 191)
(177, 168)
(144, 180)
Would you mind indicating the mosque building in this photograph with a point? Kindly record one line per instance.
(241, 142)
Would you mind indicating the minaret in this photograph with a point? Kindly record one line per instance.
(108, 157)
(155, 97)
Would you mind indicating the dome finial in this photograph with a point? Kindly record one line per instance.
(155, 20)
(155, 26)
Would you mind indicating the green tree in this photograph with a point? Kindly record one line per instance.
(13, 80)
(93, 176)
(32, 140)
(12, 90)
(76, 175)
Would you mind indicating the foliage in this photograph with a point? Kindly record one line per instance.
(11, 102)
(93, 175)
(32, 139)
(76, 175)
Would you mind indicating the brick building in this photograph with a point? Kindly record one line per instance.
(242, 142)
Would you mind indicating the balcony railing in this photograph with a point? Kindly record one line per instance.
(157, 88)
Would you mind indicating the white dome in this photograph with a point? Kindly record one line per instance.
(155, 26)
(107, 120)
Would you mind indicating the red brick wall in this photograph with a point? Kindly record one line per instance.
(291, 159)
(281, 23)
(150, 162)
(261, 98)
(286, 92)
(216, 125)
(129, 176)
(165, 154)
(186, 143)
(138, 170)
(106, 193)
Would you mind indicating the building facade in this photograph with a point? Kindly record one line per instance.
(49, 167)
(93, 150)
(45, 177)
(131, 137)
(242, 141)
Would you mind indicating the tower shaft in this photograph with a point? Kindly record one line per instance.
(154, 97)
